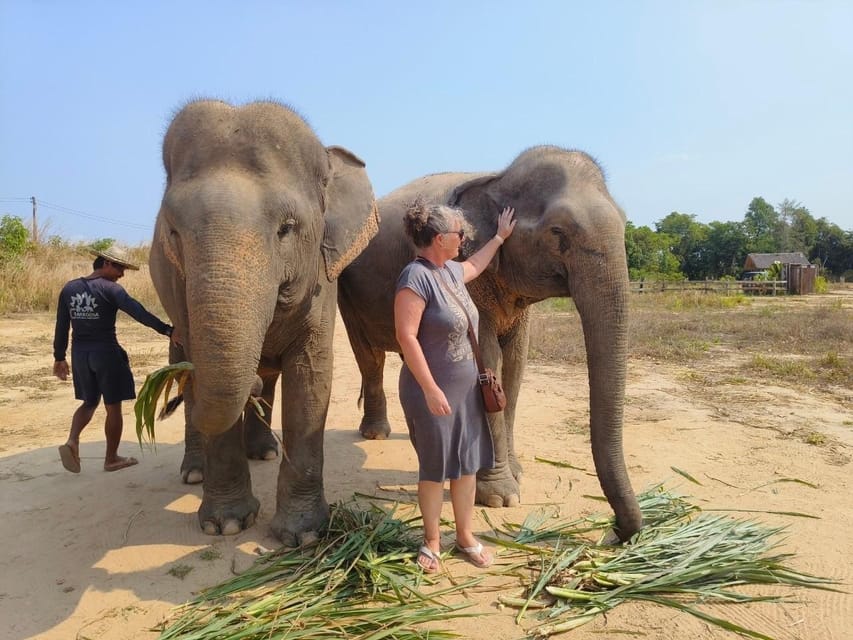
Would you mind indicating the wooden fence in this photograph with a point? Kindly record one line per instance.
(723, 287)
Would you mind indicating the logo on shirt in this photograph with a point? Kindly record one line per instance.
(83, 307)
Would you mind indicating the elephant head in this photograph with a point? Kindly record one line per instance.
(569, 241)
(257, 215)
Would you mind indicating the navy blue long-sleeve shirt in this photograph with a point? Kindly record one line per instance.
(89, 308)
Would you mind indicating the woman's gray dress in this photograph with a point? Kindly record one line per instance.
(459, 444)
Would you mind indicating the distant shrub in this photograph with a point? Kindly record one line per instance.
(14, 237)
(821, 285)
(102, 243)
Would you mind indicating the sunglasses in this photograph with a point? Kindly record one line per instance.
(459, 233)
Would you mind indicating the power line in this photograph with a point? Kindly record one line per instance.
(81, 214)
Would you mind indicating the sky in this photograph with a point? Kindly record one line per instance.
(690, 106)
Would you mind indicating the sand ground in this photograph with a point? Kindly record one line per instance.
(89, 555)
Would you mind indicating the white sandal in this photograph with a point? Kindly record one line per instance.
(472, 553)
(434, 561)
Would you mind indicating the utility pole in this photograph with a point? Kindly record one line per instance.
(35, 224)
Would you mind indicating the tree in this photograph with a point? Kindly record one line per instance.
(649, 254)
(833, 248)
(14, 237)
(689, 238)
(761, 225)
(798, 228)
(726, 251)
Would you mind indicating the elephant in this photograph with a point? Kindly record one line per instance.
(257, 221)
(569, 241)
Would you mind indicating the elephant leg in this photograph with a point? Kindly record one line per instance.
(228, 505)
(260, 442)
(500, 486)
(374, 423)
(192, 466)
(514, 348)
(301, 508)
(497, 487)
(371, 364)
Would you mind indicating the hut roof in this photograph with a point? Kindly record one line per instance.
(765, 260)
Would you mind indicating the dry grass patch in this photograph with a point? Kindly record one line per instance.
(786, 341)
(32, 282)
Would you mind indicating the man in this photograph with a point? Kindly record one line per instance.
(100, 366)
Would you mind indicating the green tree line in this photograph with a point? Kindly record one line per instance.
(680, 247)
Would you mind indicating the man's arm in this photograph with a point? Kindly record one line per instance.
(60, 339)
(135, 310)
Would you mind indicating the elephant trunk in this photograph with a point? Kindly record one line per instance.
(228, 319)
(602, 301)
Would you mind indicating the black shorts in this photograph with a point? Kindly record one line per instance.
(102, 373)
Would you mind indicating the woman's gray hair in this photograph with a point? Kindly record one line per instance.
(423, 221)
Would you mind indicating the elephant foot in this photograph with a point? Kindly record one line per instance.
(498, 488)
(227, 519)
(375, 429)
(262, 447)
(192, 468)
(192, 476)
(515, 468)
(300, 527)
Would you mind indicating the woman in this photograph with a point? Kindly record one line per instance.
(438, 382)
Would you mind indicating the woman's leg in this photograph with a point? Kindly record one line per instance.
(430, 498)
(462, 493)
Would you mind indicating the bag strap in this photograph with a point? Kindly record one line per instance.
(475, 346)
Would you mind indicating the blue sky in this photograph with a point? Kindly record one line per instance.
(690, 106)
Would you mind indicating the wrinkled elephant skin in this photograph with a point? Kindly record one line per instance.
(257, 221)
(569, 241)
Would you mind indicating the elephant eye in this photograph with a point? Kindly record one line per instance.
(562, 238)
(286, 227)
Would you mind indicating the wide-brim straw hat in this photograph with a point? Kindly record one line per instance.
(116, 255)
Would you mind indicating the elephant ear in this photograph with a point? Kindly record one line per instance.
(352, 217)
(472, 189)
(481, 201)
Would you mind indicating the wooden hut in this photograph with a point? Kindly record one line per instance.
(796, 269)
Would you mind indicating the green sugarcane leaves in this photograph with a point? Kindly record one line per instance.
(157, 385)
(682, 557)
(359, 581)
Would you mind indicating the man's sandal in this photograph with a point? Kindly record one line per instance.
(428, 560)
(70, 458)
(477, 555)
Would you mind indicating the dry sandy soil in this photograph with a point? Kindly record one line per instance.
(89, 555)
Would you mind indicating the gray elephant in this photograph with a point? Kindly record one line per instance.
(257, 221)
(569, 241)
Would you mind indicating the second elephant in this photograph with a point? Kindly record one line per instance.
(569, 241)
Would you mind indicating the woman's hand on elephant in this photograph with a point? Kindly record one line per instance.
(506, 223)
(437, 402)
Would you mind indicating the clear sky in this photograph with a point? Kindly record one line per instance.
(690, 106)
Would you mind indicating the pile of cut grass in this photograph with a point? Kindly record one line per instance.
(681, 558)
(360, 582)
